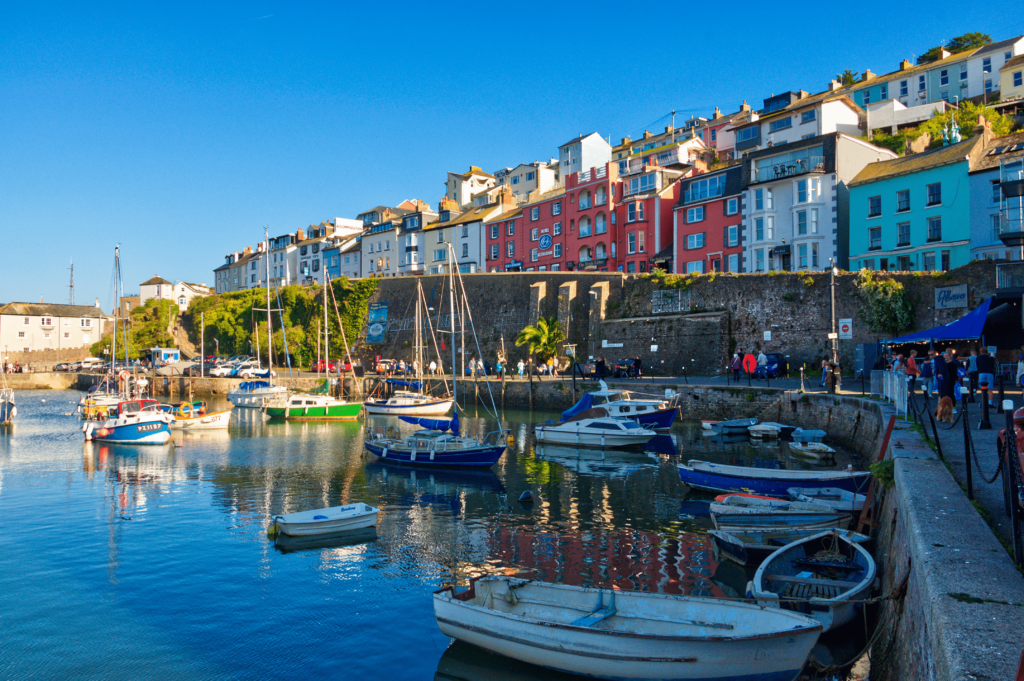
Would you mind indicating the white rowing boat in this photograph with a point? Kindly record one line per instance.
(626, 634)
(326, 520)
(811, 450)
(839, 499)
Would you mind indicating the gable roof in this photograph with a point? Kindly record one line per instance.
(579, 138)
(50, 310)
(508, 215)
(996, 47)
(990, 160)
(1011, 63)
(155, 281)
(915, 163)
(475, 214)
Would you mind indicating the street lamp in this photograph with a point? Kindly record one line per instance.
(834, 335)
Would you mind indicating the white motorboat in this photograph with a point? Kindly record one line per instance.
(200, 419)
(806, 435)
(594, 431)
(256, 394)
(811, 450)
(821, 575)
(326, 520)
(626, 634)
(839, 499)
(655, 414)
(8, 409)
(409, 403)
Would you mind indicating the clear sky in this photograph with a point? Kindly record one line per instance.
(180, 131)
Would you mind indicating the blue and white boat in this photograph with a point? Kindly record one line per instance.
(8, 410)
(409, 402)
(653, 414)
(256, 394)
(768, 481)
(138, 422)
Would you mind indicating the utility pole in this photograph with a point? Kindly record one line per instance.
(834, 335)
(71, 294)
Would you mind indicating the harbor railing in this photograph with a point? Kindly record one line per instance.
(892, 387)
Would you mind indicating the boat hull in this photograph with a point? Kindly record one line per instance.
(151, 433)
(557, 436)
(478, 457)
(334, 412)
(726, 481)
(310, 529)
(7, 411)
(738, 522)
(217, 420)
(437, 408)
(598, 653)
(256, 399)
(661, 419)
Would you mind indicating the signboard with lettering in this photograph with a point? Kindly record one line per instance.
(545, 242)
(606, 344)
(377, 322)
(846, 329)
(951, 297)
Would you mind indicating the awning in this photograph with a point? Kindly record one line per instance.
(784, 249)
(664, 255)
(968, 327)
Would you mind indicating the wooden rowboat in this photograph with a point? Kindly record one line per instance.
(751, 512)
(839, 499)
(627, 634)
(752, 546)
(767, 481)
(811, 450)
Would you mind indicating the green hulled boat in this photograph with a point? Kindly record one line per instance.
(309, 407)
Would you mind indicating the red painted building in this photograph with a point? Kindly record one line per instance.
(544, 232)
(504, 243)
(707, 223)
(590, 213)
(644, 219)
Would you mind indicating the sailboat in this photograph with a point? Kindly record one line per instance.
(8, 410)
(412, 402)
(440, 443)
(136, 421)
(315, 407)
(256, 394)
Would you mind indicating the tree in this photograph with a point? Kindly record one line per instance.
(847, 77)
(544, 339)
(889, 309)
(966, 117)
(961, 43)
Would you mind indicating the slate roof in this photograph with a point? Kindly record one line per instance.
(1016, 61)
(50, 310)
(155, 280)
(996, 47)
(477, 214)
(577, 139)
(508, 215)
(990, 160)
(546, 196)
(905, 165)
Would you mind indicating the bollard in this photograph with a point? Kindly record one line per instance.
(967, 447)
(1002, 397)
(685, 379)
(985, 423)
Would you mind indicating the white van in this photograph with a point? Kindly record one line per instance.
(90, 364)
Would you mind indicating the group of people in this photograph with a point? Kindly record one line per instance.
(736, 365)
(13, 368)
(940, 372)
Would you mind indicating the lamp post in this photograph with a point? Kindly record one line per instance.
(834, 335)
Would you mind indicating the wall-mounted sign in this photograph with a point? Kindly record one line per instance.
(846, 329)
(377, 322)
(545, 242)
(951, 297)
(606, 344)
(767, 335)
(654, 348)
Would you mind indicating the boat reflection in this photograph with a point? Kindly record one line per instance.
(616, 463)
(288, 544)
(663, 443)
(433, 486)
(465, 662)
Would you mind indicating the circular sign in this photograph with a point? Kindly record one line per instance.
(376, 329)
(749, 363)
(961, 372)
(545, 242)
(844, 328)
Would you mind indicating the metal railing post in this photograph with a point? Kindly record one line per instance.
(999, 408)
(985, 423)
(967, 448)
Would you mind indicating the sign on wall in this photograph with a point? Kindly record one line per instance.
(545, 242)
(846, 329)
(377, 322)
(606, 344)
(951, 297)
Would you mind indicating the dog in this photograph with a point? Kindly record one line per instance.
(944, 412)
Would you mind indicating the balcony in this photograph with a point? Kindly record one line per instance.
(788, 165)
(705, 192)
(1010, 275)
(1011, 227)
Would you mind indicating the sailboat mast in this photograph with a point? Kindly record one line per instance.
(270, 333)
(451, 303)
(327, 352)
(419, 333)
(117, 311)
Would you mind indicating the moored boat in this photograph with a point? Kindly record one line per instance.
(410, 403)
(767, 481)
(770, 429)
(438, 444)
(256, 394)
(626, 634)
(839, 499)
(8, 409)
(654, 414)
(737, 511)
(752, 546)
(734, 426)
(310, 407)
(805, 435)
(195, 415)
(820, 576)
(589, 429)
(815, 451)
(138, 422)
(326, 520)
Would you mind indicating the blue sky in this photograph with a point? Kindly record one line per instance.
(181, 131)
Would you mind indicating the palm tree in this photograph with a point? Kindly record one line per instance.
(544, 339)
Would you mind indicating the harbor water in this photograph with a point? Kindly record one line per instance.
(135, 562)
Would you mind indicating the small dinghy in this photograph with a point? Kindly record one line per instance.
(741, 426)
(592, 430)
(770, 430)
(325, 520)
(708, 425)
(626, 634)
(768, 481)
(8, 410)
(750, 512)
(811, 450)
(839, 499)
(820, 576)
(752, 546)
(802, 435)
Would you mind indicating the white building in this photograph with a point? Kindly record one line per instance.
(460, 187)
(26, 327)
(181, 294)
(984, 64)
(797, 116)
(380, 251)
(317, 238)
(529, 177)
(410, 241)
(465, 231)
(284, 260)
(891, 114)
(583, 153)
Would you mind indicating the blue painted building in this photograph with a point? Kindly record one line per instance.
(993, 214)
(914, 213)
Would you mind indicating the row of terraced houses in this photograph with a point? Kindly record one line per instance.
(793, 185)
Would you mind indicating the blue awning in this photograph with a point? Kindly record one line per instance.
(586, 402)
(414, 385)
(451, 424)
(969, 327)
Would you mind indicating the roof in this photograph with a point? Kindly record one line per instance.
(996, 47)
(476, 214)
(225, 266)
(50, 310)
(473, 170)
(509, 215)
(915, 163)
(155, 280)
(577, 139)
(546, 196)
(990, 159)
(1016, 61)
(915, 69)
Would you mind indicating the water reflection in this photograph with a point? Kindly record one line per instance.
(616, 463)
(288, 544)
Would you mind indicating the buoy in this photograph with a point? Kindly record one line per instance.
(510, 440)
(42, 400)
(272, 530)
(526, 497)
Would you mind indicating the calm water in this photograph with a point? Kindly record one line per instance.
(119, 562)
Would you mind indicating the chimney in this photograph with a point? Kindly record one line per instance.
(867, 75)
(647, 134)
(668, 129)
(300, 234)
(718, 113)
(834, 85)
(945, 53)
(744, 106)
(626, 140)
(40, 300)
(905, 64)
(803, 94)
(97, 302)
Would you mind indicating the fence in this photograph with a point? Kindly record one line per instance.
(893, 388)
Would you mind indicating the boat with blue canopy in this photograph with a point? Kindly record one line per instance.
(655, 414)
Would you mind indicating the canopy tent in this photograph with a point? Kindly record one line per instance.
(442, 425)
(969, 327)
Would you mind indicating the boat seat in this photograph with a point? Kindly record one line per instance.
(817, 563)
(811, 581)
(601, 612)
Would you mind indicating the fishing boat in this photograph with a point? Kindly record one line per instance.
(325, 520)
(770, 429)
(655, 414)
(8, 409)
(626, 634)
(312, 407)
(194, 415)
(839, 499)
(593, 428)
(138, 422)
(805, 435)
(752, 546)
(767, 481)
(820, 576)
(614, 463)
(811, 450)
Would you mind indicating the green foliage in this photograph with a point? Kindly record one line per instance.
(961, 43)
(665, 280)
(847, 77)
(897, 143)
(147, 328)
(544, 340)
(884, 472)
(966, 118)
(807, 281)
(888, 308)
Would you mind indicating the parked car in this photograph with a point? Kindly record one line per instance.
(255, 371)
(196, 370)
(320, 367)
(63, 366)
(623, 368)
(222, 370)
(776, 367)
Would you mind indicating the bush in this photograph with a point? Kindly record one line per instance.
(888, 308)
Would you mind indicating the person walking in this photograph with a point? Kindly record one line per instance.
(951, 374)
(762, 364)
(737, 366)
(433, 367)
(521, 368)
(638, 367)
(499, 369)
(833, 378)
(986, 372)
(972, 373)
(1020, 368)
(912, 370)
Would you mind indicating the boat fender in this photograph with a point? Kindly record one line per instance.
(273, 530)
(510, 440)
(431, 454)
(384, 454)
(750, 589)
(412, 456)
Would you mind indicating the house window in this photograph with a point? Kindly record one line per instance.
(929, 261)
(986, 65)
(758, 199)
(515, 179)
(601, 224)
(694, 241)
(695, 214)
(875, 238)
(802, 251)
(534, 234)
(903, 234)
(387, 245)
(21, 334)
(770, 227)
(695, 267)
(883, 92)
(867, 97)
(714, 134)
(85, 323)
(988, 85)
(529, 176)
(439, 254)
(759, 229)
(631, 243)
(534, 255)
(557, 229)
(759, 260)
(814, 255)
(995, 227)
(814, 221)
(253, 279)
(944, 77)
(494, 231)
(921, 84)
(780, 124)
(631, 267)
(801, 191)
(640, 241)
(801, 222)
(602, 196)
(67, 334)
(904, 88)
(734, 263)
(945, 261)
(769, 200)
(644, 183)
(510, 249)
(934, 194)
(963, 71)
(935, 229)
(808, 116)
(556, 267)
(558, 250)
(316, 268)
(1018, 78)
(584, 227)
(748, 133)
(903, 201)
(535, 213)
(316, 248)
(732, 206)
(584, 200)
(465, 250)
(874, 206)
(494, 251)
(465, 231)
(511, 228)
(733, 236)
(556, 208)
